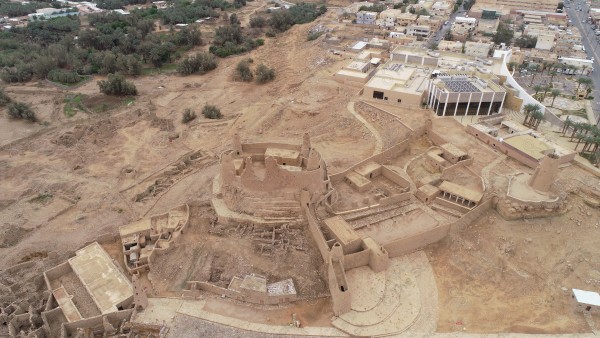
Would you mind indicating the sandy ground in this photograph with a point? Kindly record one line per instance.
(62, 181)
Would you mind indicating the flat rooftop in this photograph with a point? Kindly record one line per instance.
(104, 282)
(461, 191)
(587, 297)
(530, 145)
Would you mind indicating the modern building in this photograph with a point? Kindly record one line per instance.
(462, 26)
(415, 30)
(366, 18)
(442, 8)
(464, 94)
(478, 49)
(506, 7)
(50, 13)
(406, 19)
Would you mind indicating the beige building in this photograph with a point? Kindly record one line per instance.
(487, 26)
(388, 17)
(442, 8)
(462, 27)
(406, 19)
(398, 83)
(478, 49)
(545, 42)
(450, 46)
(505, 7)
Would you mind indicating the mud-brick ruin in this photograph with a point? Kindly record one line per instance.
(337, 236)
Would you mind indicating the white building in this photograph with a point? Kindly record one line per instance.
(417, 30)
(586, 301)
(366, 18)
(584, 66)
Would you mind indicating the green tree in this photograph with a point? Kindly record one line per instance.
(583, 80)
(19, 110)
(4, 99)
(526, 41)
(503, 34)
(117, 85)
(554, 93)
(200, 63)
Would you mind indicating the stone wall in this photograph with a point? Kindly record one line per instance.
(262, 298)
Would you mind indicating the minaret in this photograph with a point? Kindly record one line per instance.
(305, 149)
(237, 144)
(545, 174)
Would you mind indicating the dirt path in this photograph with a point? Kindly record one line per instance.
(378, 140)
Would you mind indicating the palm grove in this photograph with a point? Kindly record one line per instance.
(61, 51)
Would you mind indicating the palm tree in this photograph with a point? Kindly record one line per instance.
(583, 80)
(534, 69)
(536, 117)
(566, 125)
(580, 136)
(529, 109)
(576, 127)
(537, 89)
(553, 73)
(554, 93)
(546, 89)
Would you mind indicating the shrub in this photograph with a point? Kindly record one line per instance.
(243, 71)
(117, 85)
(211, 112)
(63, 76)
(20, 110)
(313, 36)
(258, 22)
(188, 115)
(4, 99)
(264, 74)
(200, 63)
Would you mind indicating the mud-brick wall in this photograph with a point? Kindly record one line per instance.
(413, 243)
(391, 152)
(313, 226)
(436, 138)
(57, 271)
(357, 259)
(473, 215)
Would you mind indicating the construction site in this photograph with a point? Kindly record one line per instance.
(313, 208)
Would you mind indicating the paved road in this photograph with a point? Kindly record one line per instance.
(439, 35)
(591, 44)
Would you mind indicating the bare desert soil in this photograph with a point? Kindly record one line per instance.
(66, 181)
